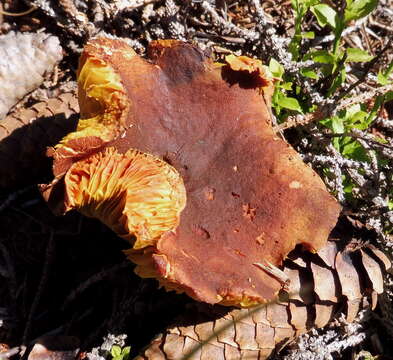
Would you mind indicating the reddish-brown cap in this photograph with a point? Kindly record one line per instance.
(250, 198)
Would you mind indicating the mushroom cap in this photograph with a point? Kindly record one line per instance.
(250, 198)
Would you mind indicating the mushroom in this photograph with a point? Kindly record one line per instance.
(178, 156)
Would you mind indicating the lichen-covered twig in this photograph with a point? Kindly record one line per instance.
(329, 109)
(226, 25)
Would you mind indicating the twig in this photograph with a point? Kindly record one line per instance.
(92, 280)
(343, 162)
(381, 26)
(366, 70)
(12, 197)
(329, 110)
(119, 6)
(72, 11)
(385, 123)
(358, 134)
(364, 97)
(297, 120)
(23, 13)
(273, 41)
(226, 25)
(12, 352)
(176, 29)
(10, 276)
(338, 181)
(41, 286)
(347, 31)
(372, 33)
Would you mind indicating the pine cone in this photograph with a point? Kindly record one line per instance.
(321, 286)
(24, 58)
(25, 135)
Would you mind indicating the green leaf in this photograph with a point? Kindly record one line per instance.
(301, 6)
(355, 117)
(336, 143)
(337, 125)
(337, 82)
(116, 351)
(348, 187)
(375, 109)
(276, 68)
(308, 35)
(351, 111)
(352, 149)
(325, 15)
(360, 120)
(358, 55)
(286, 86)
(309, 3)
(381, 140)
(382, 79)
(309, 73)
(389, 96)
(288, 103)
(359, 8)
(338, 32)
(275, 101)
(126, 352)
(322, 56)
(359, 117)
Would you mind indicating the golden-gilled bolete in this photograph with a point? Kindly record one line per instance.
(177, 154)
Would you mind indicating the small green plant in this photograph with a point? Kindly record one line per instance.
(280, 99)
(328, 66)
(119, 353)
(326, 75)
(327, 70)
